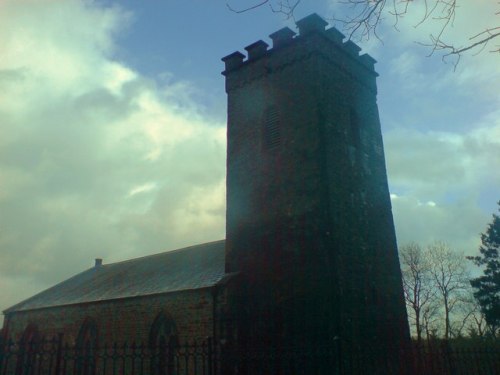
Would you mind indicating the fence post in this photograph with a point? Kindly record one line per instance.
(59, 353)
(339, 354)
(2, 350)
(210, 353)
(448, 357)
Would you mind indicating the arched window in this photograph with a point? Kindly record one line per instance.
(28, 347)
(163, 345)
(86, 347)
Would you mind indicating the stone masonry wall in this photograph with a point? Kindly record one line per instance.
(122, 320)
(309, 221)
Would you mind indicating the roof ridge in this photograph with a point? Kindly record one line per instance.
(162, 253)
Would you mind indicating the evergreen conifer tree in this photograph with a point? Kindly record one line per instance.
(487, 286)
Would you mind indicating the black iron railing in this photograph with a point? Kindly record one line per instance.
(57, 357)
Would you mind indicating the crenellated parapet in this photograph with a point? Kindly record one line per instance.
(313, 38)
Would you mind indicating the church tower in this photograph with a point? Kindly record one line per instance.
(309, 222)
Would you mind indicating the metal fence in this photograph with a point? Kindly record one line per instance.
(55, 357)
(439, 358)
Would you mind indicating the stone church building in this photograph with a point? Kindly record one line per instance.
(310, 255)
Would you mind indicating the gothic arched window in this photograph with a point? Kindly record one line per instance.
(163, 345)
(28, 346)
(86, 347)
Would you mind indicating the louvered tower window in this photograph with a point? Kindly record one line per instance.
(271, 131)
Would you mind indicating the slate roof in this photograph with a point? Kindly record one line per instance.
(189, 268)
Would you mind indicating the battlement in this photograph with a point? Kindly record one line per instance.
(312, 25)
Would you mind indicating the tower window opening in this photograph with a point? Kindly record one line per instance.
(271, 131)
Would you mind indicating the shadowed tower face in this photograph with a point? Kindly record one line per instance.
(309, 222)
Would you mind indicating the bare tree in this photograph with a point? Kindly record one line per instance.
(477, 326)
(450, 277)
(418, 288)
(362, 18)
(430, 321)
(468, 318)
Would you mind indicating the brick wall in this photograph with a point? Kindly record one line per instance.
(122, 320)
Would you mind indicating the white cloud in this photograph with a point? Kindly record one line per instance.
(405, 64)
(95, 159)
(438, 182)
(428, 162)
(456, 223)
(144, 188)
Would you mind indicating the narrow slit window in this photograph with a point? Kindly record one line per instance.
(272, 131)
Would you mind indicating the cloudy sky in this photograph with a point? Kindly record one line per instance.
(112, 129)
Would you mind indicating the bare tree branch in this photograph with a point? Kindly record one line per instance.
(491, 34)
(247, 9)
(285, 7)
(364, 17)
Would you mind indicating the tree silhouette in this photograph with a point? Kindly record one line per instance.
(418, 288)
(487, 286)
(448, 271)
